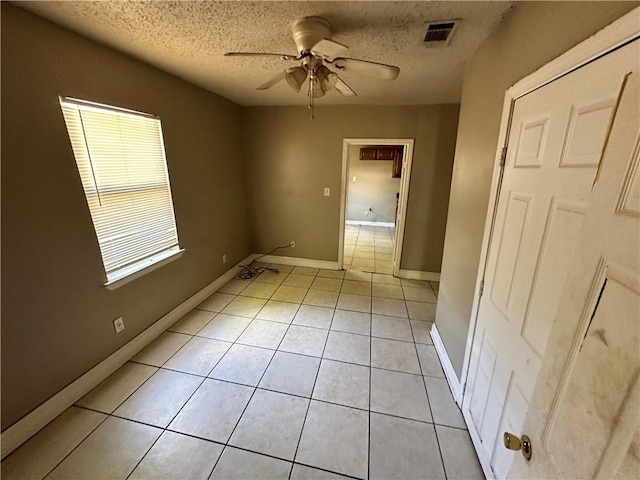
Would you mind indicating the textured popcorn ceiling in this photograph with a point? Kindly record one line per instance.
(189, 39)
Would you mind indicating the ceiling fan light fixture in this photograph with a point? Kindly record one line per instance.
(295, 77)
(326, 77)
(315, 87)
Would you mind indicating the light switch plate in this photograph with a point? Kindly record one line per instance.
(327, 191)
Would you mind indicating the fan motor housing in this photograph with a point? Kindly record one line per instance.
(308, 31)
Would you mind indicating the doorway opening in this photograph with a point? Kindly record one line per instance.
(375, 185)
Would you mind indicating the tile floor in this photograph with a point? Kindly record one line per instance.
(369, 248)
(303, 374)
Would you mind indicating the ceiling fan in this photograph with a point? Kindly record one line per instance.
(312, 36)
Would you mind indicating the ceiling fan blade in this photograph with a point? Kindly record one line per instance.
(283, 56)
(365, 67)
(272, 81)
(344, 89)
(329, 49)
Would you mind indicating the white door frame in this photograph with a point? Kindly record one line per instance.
(617, 34)
(407, 159)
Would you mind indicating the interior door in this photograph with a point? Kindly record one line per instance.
(557, 137)
(585, 415)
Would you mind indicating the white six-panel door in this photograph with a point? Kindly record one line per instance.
(555, 146)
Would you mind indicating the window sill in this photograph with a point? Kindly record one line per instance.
(130, 273)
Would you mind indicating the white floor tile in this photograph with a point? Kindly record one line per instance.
(259, 290)
(282, 268)
(268, 276)
(235, 286)
(331, 273)
(241, 465)
(285, 293)
(261, 333)
(225, 327)
(305, 271)
(460, 460)
(243, 364)
(358, 276)
(302, 472)
(443, 406)
(42, 452)
(198, 356)
(356, 288)
(213, 411)
(176, 456)
(328, 284)
(422, 331)
(216, 302)
(385, 279)
(304, 340)
(321, 298)
(389, 306)
(296, 280)
(343, 383)
(160, 398)
(419, 294)
(111, 451)
(407, 282)
(275, 311)
(400, 394)
(192, 322)
(310, 316)
(352, 322)
(356, 303)
(290, 373)
(394, 355)
(161, 349)
(271, 424)
(347, 347)
(429, 361)
(387, 291)
(421, 311)
(403, 449)
(245, 306)
(108, 396)
(335, 438)
(393, 328)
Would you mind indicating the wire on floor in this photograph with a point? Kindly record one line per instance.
(249, 271)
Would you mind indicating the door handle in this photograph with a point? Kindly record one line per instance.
(512, 442)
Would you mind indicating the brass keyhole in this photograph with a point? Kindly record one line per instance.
(512, 442)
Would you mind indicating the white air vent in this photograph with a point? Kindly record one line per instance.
(440, 33)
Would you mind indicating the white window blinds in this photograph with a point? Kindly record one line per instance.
(121, 160)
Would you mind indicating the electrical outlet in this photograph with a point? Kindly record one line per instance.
(366, 212)
(118, 324)
(293, 244)
(224, 258)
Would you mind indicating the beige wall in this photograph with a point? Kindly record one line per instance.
(532, 34)
(291, 158)
(56, 316)
(374, 188)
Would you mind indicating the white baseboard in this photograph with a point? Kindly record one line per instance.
(32, 423)
(418, 275)
(449, 372)
(299, 262)
(370, 224)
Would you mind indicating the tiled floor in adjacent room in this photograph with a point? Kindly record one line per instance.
(369, 248)
(303, 374)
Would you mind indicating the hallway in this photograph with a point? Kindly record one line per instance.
(369, 248)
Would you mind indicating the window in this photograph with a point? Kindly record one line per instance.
(121, 161)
